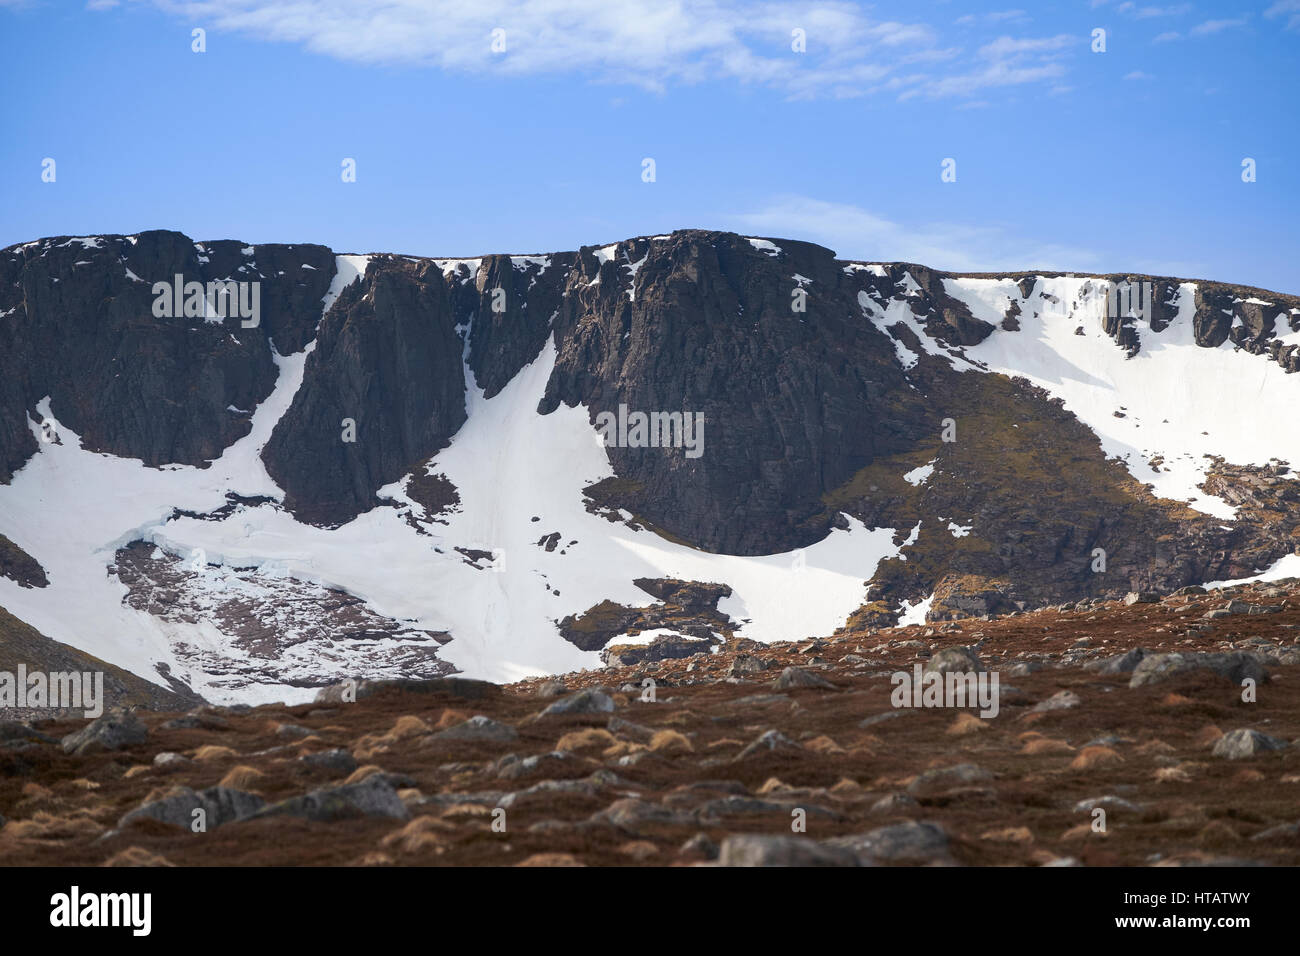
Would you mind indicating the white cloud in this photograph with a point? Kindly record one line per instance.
(1216, 26)
(994, 16)
(1006, 61)
(1288, 8)
(1137, 75)
(849, 52)
(1166, 37)
(1147, 13)
(857, 233)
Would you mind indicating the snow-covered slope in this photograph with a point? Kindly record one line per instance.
(1178, 402)
(202, 572)
(520, 476)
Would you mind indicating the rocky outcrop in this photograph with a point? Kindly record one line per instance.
(79, 326)
(812, 401)
(689, 607)
(383, 389)
(706, 323)
(17, 565)
(510, 317)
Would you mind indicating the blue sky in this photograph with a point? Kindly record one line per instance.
(1065, 158)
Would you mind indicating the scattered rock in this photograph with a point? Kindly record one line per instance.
(1107, 802)
(670, 647)
(895, 803)
(702, 846)
(113, 731)
(796, 677)
(334, 761)
(1061, 700)
(947, 779)
(1141, 597)
(912, 842)
(1236, 666)
(590, 701)
(220, 805)
(1119, 663)
(479, 729)
(768, 741)
(372, 797)
(453, 686)
(954, 660)
(1245, 742)
(745, 664)
(752, 849)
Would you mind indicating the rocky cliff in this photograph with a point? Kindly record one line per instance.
(832, 396)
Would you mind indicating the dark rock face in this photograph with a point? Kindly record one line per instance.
(948, 319)
(509, 328)
(807, 412)
(79, 326)
(17, 565)
(387, 361)
(667, 648)
(689, 595)
(793, 402)
(689, 607)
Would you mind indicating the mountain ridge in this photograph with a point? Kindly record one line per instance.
(821, 382)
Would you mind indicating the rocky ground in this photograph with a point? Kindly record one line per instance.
(738, 746)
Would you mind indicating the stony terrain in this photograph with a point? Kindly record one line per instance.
(582, 770)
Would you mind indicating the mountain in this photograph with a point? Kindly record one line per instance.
(396, 466)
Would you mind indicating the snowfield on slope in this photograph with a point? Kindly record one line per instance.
(71, 509)
(520, 477)
(509, 465)
(1179, 401)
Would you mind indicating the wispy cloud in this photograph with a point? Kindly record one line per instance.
(1286, 8)
(993, 16)
(857, 233)
(1148, 12)
(1006, 61)
(849, 50)
(1217, 26)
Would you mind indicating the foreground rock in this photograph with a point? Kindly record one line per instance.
(591, 701)
(1236, 666)
(371, 797)
(1244, 742)
(349, 691)
(756, 850)
(911, 842)
(219, 805)
(113, 731)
